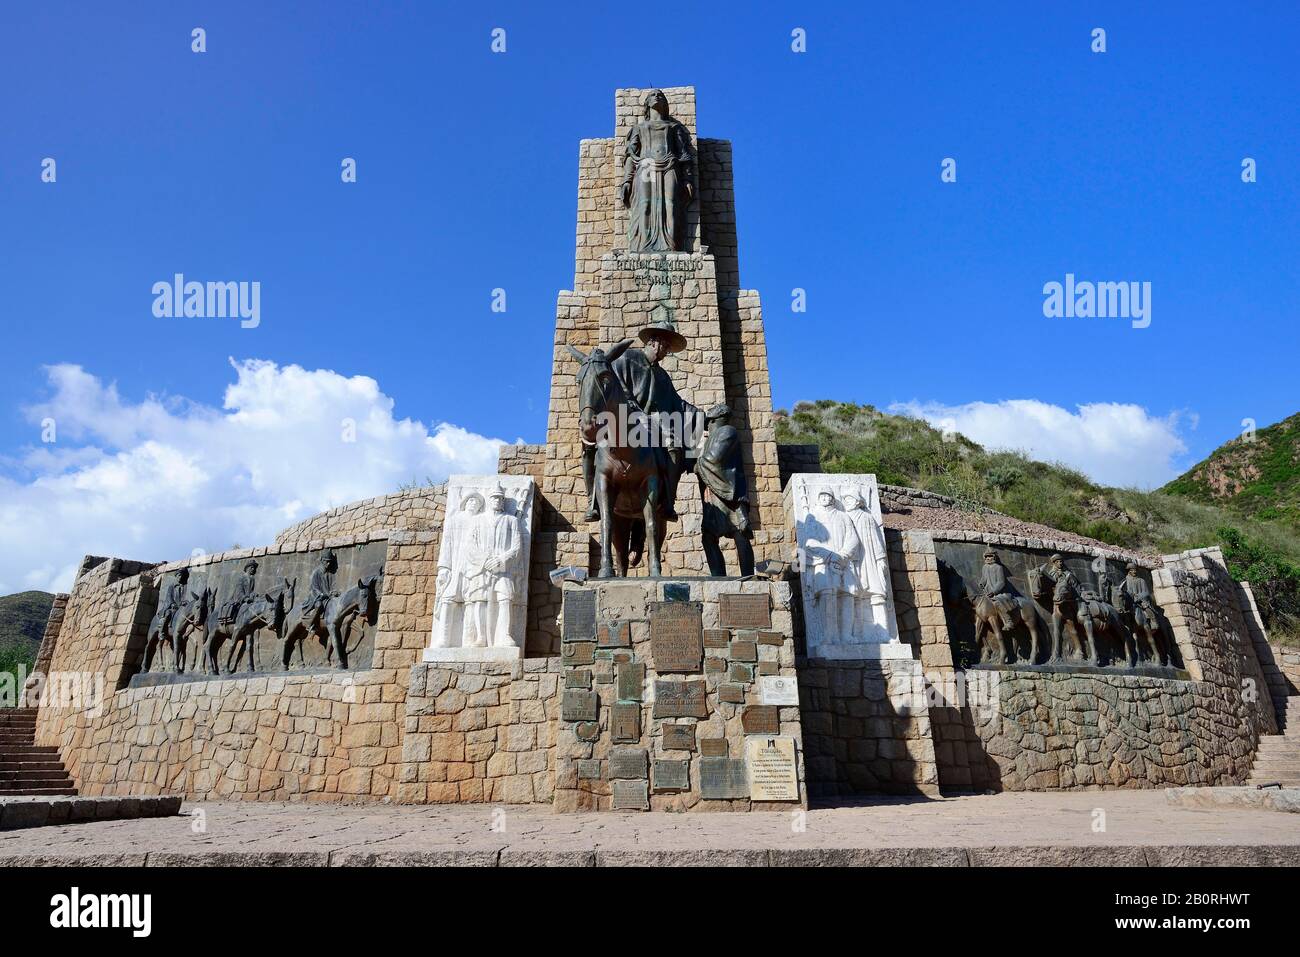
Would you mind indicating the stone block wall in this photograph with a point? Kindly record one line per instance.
(866, 728)
(613, 669)
(793, 459)
(1035, 730)
(1287, 658)
(50, 638)
(328, 737)
(481, 732)
(418, 509)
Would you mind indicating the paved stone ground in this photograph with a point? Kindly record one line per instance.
(1142, 827)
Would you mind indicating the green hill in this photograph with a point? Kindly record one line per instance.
(22, 624)
(1261, 545)
(1254, 475)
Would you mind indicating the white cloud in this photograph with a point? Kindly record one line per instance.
(156, 479)
(1112, 443)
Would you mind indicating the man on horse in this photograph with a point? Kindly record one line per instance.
(994, 585)
(651, 389)
(245, 588)
(174, 597)
(320, 589)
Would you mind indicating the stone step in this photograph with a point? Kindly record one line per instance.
(10, 752)
(19, 721)
(16, 738)
(42, 762)
(60, 785)
(18, 712)
(36, 792)
(33, 777)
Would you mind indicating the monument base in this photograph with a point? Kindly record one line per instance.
(860, 650)
(473, 654)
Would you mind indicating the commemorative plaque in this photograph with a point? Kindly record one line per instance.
(588, 769)
(677, 591)
(681, 699)
(761, 719)
(723, 779)
(672, 775)
(578, 705)
(714, 747)
(679, 737)
(579, 614)
(622, 601)
(631, 680)
(773, 774)
(744, 611)
(743, 650)
(578, 678)
(614, 634)
(625, 723)
(778, 689)
(578, 652)
(676, 637)
(628, 763)
(716, 637)
(631, 796)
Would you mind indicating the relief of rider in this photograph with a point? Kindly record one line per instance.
(649, 386)
(1138, 593)
(1065, 585)
(995, 586)
(245, 589)
(174, 596)
(321, 588)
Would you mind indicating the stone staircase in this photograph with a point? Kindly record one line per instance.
(1278, 759)
(25, 768)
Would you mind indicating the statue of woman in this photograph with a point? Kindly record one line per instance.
(658, 178)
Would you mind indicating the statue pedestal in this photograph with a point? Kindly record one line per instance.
(860, 650)
(473, 654)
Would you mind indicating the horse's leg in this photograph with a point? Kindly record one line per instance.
(622, 533)
(1031, 622)
(603, 497)
(336, 633)
(1089, 640)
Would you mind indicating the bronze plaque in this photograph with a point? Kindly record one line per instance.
(672, 775)
(614, 634)
(681, 699)
(716, 637)
(761, 719)
(631, 679)
(631, 796)
(744, 611)
(625, 723)
(731, 694)
(578, 652)
(676, 637)
(578, 705)
(744, 651)
(579, 614)
(628, 763)
(713, 747)
(723, 779)
(679, 737)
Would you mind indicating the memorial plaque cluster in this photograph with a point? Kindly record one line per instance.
(666, 713)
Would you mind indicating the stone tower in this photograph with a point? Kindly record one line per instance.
(613, 295)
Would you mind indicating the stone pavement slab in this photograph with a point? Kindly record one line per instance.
(1126, 827)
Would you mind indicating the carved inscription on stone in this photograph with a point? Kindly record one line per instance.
(773, 774)
(622, 601)
(625, 723)
(744, 611)
(723, 779)
(681, 699)
(676, 637)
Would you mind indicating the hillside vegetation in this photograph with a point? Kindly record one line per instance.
(22, 624)
(1261, 545)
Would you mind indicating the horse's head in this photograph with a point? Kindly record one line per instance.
(367, 600)
(599, 391)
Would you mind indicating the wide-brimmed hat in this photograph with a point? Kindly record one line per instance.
(666, 329)
(473, 495)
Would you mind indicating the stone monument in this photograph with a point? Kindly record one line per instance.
(844, 570)
(479, 609)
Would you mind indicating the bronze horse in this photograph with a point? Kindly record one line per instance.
(333, 624)
(631, 479)
(258, 612)
(173, 630)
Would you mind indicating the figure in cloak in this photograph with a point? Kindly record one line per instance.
(658, 178)
(490, 590)
(871, 604)
(319, 590)
(454, 565)
(723, 490)
(245, 588)
(995, 587)
(650, 387)
(832, 550)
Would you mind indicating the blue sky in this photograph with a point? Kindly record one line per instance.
(225, 165)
